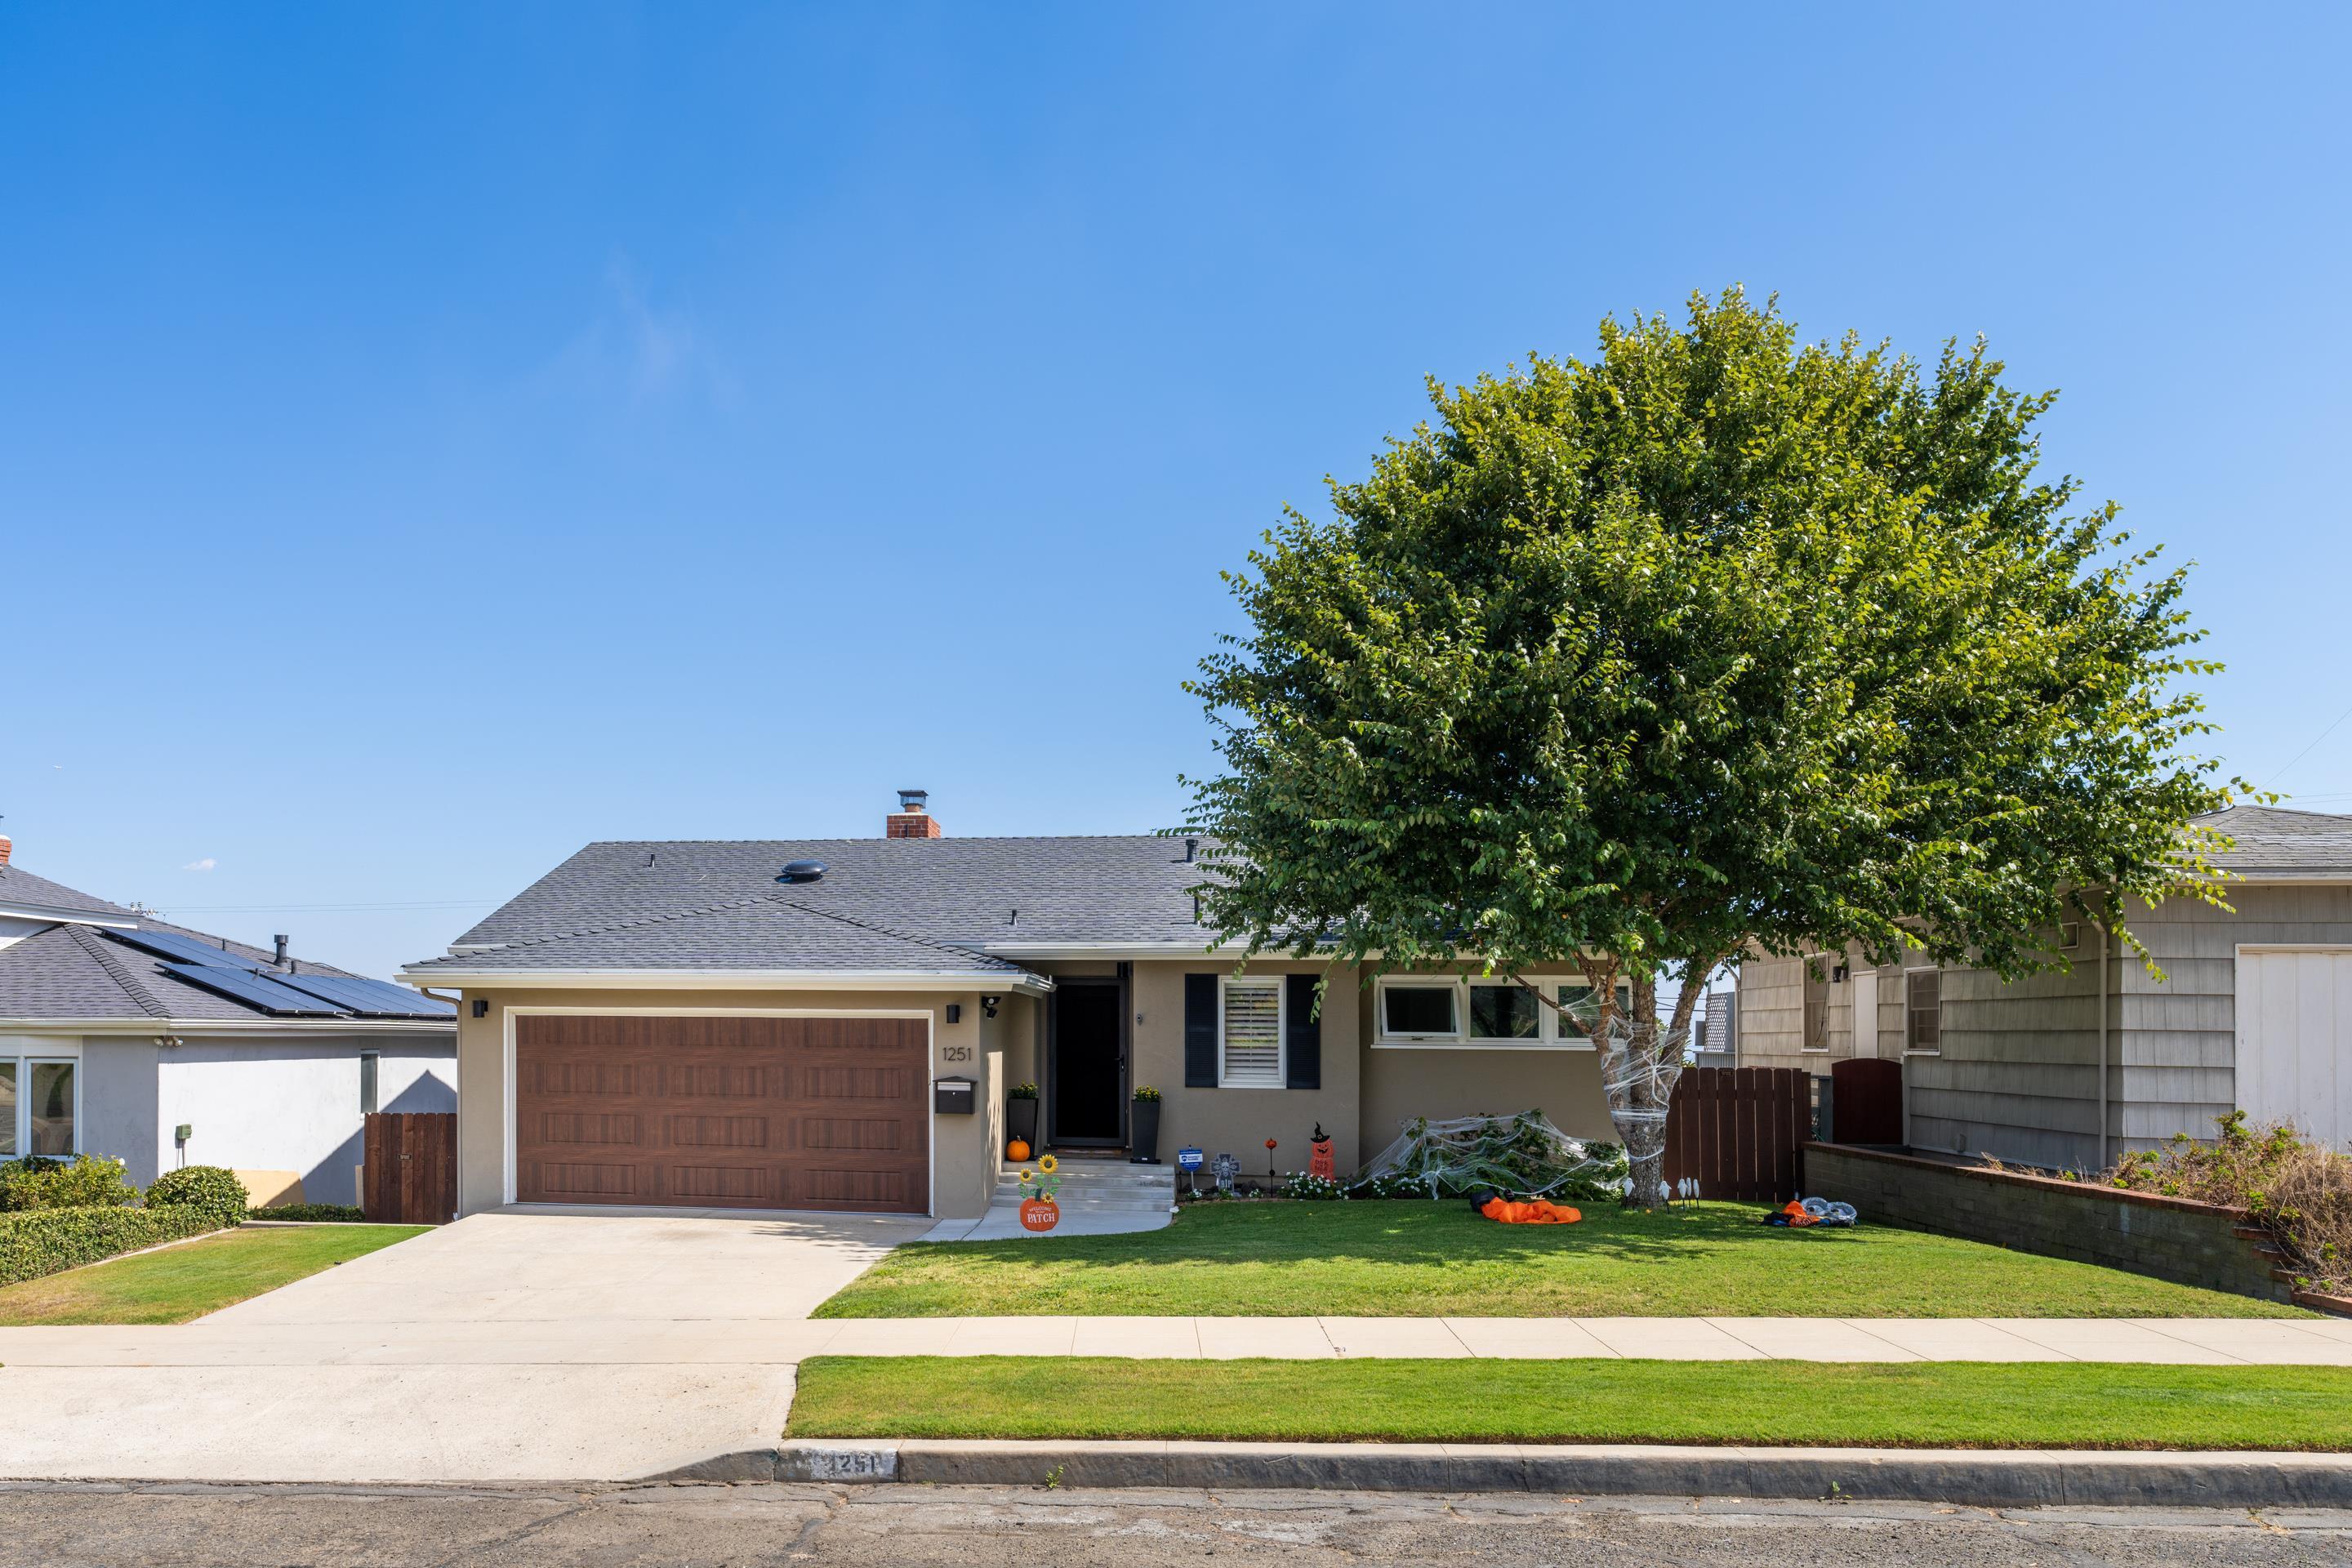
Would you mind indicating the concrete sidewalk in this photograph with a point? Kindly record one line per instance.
(2211, 1341)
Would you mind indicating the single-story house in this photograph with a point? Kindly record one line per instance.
(787, 1024)
(123, 1035)
(2072, 1070)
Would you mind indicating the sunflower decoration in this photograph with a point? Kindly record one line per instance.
(1041, 1183)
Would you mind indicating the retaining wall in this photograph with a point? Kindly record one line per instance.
(2146, 1233)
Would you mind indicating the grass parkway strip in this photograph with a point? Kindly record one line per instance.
(1408, 1259)
(1951, 1405)
(175, 1284)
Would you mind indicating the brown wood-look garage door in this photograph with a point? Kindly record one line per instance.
(804, 1113)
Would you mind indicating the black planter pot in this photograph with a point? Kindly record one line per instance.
(1020, 1122)
(1143, 1132)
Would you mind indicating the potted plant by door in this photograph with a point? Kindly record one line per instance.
(1144, 1127)
(1020, 1114)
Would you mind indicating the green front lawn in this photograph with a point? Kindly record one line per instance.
(1975, 1405)
(177, 1283)
(1410, 1259)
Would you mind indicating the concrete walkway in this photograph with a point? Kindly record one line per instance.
(523, 1345)
(2210, 1341)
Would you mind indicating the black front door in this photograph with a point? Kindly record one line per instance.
(1086, 1086)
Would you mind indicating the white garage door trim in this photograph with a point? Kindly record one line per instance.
(2293, 1031)
(930, 1062)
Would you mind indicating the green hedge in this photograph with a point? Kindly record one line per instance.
(211, 1189)
(87, 1181)
(337, 1214)
(42, 1241)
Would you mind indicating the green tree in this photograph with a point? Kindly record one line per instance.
(1718, 644)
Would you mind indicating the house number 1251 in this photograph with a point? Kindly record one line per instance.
(955, 1053)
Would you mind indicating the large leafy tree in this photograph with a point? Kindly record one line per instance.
(1720, 643)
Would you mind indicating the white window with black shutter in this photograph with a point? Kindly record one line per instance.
(1249, 1032)
(1252, 1031)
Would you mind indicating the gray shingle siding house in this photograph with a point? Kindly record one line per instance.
(2071, 1070)
(117, 1028)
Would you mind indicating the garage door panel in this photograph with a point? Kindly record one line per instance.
(2295, 1040)
(748, 1112)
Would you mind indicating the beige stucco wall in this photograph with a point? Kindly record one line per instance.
(1238, 1121)
(1401, 1082)
(964, 1149)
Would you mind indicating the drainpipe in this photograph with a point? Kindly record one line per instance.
(2106, 943)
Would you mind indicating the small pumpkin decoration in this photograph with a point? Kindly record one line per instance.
(1040, 1214)
(1017, 1150)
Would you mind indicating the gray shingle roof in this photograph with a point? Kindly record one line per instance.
(71, 971)
(20, 887)
(769, 932)
(883, 903)
(2272, 841)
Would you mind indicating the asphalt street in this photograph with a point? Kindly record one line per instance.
(88, 1526)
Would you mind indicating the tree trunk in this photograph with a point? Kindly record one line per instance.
(1637, 1101)
(1640, 1078)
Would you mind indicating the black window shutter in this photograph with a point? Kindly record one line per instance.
(1200, 1031)
(1304, 1035)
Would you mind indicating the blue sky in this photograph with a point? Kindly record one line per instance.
(434, 437)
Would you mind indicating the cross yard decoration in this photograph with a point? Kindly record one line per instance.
(1225, 1168)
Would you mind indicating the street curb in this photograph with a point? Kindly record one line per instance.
(2003, 1478)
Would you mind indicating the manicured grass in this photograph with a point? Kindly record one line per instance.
(1425, 1260)
(1975, 1405)
(178, 1283)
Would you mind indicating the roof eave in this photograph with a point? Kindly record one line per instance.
(12, 909)
(150, 1026)
(487, 979)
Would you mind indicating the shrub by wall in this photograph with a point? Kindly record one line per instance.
(42, 1241)
(335, 1214)
(209, 1189)
(86, 1181)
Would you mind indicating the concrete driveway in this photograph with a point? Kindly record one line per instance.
(526, 1344)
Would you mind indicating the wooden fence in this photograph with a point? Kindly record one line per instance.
(410, 1176)
(1737, 1130)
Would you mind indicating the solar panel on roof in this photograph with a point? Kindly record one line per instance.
(254, 991)
(181, 949)
(368, 998)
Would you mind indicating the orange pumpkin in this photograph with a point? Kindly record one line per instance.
(1016, 1149)
(1040, 1214)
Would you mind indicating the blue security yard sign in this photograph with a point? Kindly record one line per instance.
(1188, 1159)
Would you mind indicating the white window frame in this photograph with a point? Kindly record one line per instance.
(1550, 1037)
(1910, 1030)
(25, 1065)
(368, 1059)
(1275, 984)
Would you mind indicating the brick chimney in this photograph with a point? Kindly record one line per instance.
(911, 820)
(5, 846)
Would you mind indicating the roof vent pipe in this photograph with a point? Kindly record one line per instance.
(281, 939)
(1192, 847)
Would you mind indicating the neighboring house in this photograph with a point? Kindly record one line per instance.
(2072, 1070)
(762, 1024)
(117, 1029)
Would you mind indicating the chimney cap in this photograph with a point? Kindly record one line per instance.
(913, 799)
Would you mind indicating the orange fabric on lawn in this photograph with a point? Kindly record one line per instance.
(1536, 1211)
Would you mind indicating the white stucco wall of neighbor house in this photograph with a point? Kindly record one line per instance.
(267, 1105)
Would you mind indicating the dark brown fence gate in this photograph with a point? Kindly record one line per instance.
(1737, 1130)
(1866, 1101)
(410, 1174)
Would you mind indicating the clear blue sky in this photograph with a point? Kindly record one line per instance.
(434, 437)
